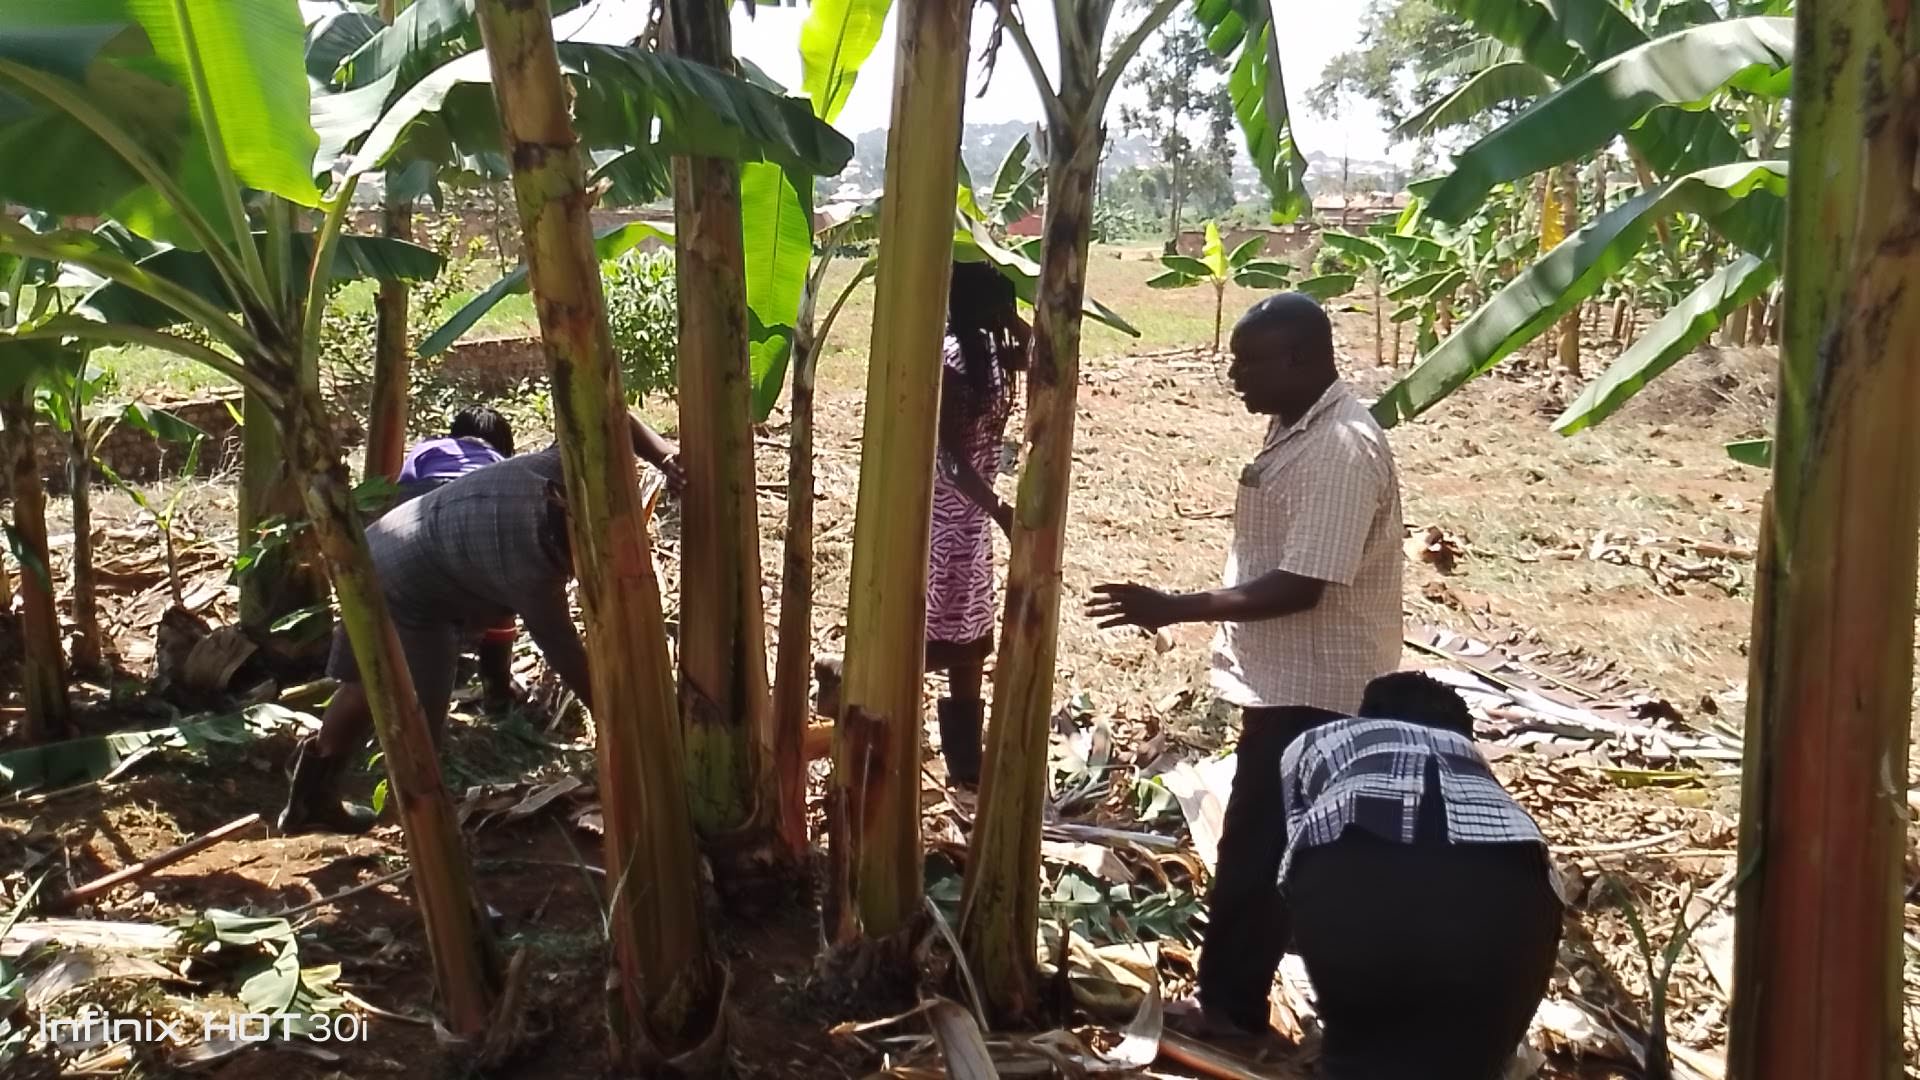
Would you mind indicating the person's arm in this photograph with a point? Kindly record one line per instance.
(1269, 596)
(550, 624)
(955, 463)
(1325, 532)
(655, 450)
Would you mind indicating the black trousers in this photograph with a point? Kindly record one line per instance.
(1427, 959)
(1247, 922)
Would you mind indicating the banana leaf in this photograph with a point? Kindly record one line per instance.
(355, 257)
(1357, 247)
(1560, 38)
(777, 205)
(1475, 57)
(1259, 96)
(1685, 69)
(1247, 252)
(835, 42)
(1568, 274)
(1263, 274)
(333, 37)
(975, 244)
(621, 94)
(1675, 335)
(1327, 286)
(776, 213)
(76, 761)
(1512, 80)
(83, 83)
(609, 243)
(1755, 452)
(1018, 184)
(1420, 286)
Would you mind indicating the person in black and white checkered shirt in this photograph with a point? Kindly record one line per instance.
(1423, 901)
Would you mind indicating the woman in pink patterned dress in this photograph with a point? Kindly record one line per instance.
(985, 349)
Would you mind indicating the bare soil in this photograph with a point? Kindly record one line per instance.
(1160, 442)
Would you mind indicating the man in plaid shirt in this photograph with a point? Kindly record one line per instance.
(488, 546)
(1423, 902)
(1310, 611)
(484, 548)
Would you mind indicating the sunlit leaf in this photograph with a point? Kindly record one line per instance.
(1682, 69)
(1327, 286)
(1567, 275)
(776, 217)
(835, 42)
(1672, 337)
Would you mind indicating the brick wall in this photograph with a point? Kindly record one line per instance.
(486, 367)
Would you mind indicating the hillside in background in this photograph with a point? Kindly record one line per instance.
(983, 146)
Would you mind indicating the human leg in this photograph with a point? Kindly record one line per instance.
(313, 802)
(1247, 923)
(1427, 960)
(962, 712)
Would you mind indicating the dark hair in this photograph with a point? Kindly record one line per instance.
(1297, 317)
(485, 423)
(983, 315)
(1417, 698)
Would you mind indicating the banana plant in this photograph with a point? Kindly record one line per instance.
(66, 400)
(999, 906)
(1215, 267)
(1614, 81)
(26, 295)
(1497, 76)
(231, 78)
(1570, 273)
(179, 116)
(1018, 185)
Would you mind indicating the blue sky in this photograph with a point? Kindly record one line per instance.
(1312, 34)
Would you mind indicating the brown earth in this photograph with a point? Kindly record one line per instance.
(1160, 444)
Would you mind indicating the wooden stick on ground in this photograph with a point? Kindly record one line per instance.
(101, 886)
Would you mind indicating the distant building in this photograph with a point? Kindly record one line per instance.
(1028, 225)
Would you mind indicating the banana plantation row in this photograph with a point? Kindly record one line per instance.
(221, 144)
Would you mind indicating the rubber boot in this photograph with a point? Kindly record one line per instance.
(960, 739)
(313, 804)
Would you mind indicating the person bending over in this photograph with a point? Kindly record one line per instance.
(485, 548)
(479, 436)
(1422, 897)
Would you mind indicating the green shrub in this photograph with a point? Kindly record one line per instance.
(643, 313)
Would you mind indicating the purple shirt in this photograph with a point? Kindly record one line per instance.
(441, 460)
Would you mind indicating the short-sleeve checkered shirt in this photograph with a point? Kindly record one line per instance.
(477, 551)
(1322, 500)
(1372, 775)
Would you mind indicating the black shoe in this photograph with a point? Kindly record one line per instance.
(960, 723)
(312, 805)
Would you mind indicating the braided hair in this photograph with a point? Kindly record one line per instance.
(983, 316)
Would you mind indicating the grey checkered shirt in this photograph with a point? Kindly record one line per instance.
(1371, 774)
(477, 551)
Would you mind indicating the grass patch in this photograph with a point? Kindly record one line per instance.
(1175, 319)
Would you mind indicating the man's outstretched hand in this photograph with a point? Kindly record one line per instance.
(1133, 605)
(675, 474)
